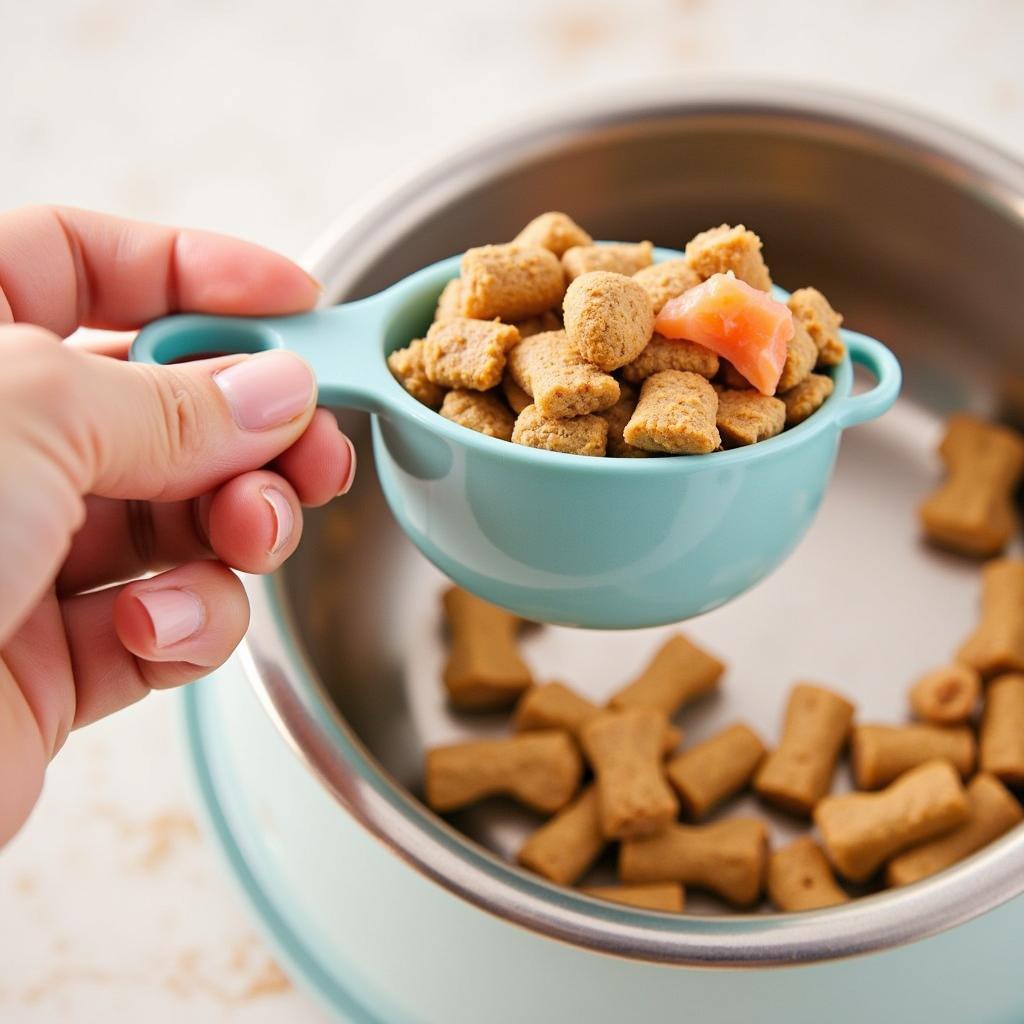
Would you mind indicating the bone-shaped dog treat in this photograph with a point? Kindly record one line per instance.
(861, 831)
(563, 848)
(679, 672)
(625, 750)
(608, 318)
(882, 753)
(727, 857)
(539, 769)
(997, 645)
(994, 810)
(510, 281)
(657, 896)
(972, 512)
(798, 773)
(714, 770)
(484, 670)
(1002, 729)
(555, 706)
(947, 695)
(800, 878)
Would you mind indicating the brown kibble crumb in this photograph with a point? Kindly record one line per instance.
(510, 281)
(608, 318)
(675, 414)
(719, 250)
(562, 383)
(668, 354)
(801, 358)
(516, 397)
(806, 398)
(617, 417)
(449, 303)
(666, 280)
(822, 322)
(581, 435)
(746, 417)
(622, 258)
(554, 231)
(479, 411)
(548, 321)
(406, 364)
(464, 353)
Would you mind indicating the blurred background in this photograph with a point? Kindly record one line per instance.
(268, 120)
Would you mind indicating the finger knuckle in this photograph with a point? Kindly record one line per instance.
(178, 405)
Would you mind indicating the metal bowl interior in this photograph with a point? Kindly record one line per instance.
(917, 234)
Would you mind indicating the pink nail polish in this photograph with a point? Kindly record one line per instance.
(175, 615)
(284, 520)
(346, 485)
(267, 389)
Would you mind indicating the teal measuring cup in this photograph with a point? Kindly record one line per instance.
(601, 543)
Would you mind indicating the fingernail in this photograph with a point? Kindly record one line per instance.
(284, 521)
(316, 283)
(175, 615)
(267, 389)
(346, 485)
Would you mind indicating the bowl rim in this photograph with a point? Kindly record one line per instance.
(296, 699)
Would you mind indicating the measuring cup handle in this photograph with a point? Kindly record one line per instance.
(342, 344)
(876, 358)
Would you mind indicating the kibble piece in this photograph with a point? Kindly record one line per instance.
(806, 398)
(581, 435)
(997, 645)
(822, 322)
(670, 354)
(407, 366)
(617, 417)
(622, 258)
(679, 672)
(973, 512)
(798, 773)
(480, 411)
(516, 397)
(727, 857)
(608, 318)
(801, 358)
(462, 353)
(562, 383)
(564, 848)
(675, 414)
(532, 325)
(665, 280)
(994, 811)
(668, 896)
(946, 696)
(510, 281)
(625, 749)
(484, 671)
(1002, 729)
(449, 303)
(882, 753)
(719, 250)
(800, 878)
(541, 770)
(861, 831)
(716, 769)
(553, 231)
(746, 417)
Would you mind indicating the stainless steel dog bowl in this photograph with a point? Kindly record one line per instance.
(917, 233)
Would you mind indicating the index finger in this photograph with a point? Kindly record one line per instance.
(63, 268)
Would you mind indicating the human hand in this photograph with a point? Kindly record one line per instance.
(109, 470)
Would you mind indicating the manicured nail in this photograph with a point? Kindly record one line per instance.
(175, 615)
(267, 389)
(346, 485)
(284, 521)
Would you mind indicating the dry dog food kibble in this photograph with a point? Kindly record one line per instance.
(881, 753)
(609, 318)
(625, 750)
(563, 849)
(407, 366)
(726, 248)
(675, 414)
(946, 696)
(714, 770)
(798, 773)
(665, 280)
(994, 811)
(746, 417)
(801, 358)
(516, 397)
(484, 670)
(679, 672)
(806, 398)
(510, 281)
(617, 417)
(997, 645)
(861, 831)
(822, 323)
(800, 878)
(727, 857)
(669, 896)
(541, 770)
(665, 354)
(449, 302)
(554, 231)
(1002, 729)
(578, 435)
(618, 259)
(480, 411)
(538, 324)
(973, 511)
(461, 353)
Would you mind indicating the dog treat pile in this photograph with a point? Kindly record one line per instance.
(553, 342)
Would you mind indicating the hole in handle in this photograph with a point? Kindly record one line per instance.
(183, 339)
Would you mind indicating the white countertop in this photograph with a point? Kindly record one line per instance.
(265, 119)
